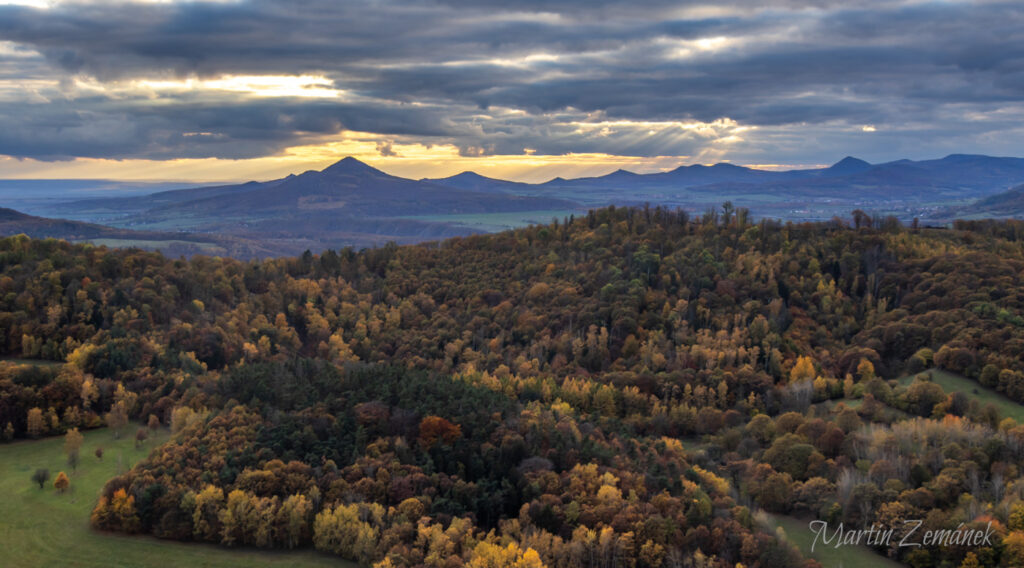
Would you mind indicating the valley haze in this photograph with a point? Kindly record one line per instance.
(351, 204)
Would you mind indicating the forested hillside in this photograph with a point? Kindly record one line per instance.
(625, 388)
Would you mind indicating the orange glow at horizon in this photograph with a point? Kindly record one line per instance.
(411, 160)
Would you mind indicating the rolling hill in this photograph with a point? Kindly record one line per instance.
(353, 204)
(1008, 204)
(348, 188)
(346, 204)
(257, 239)
(170, 243)
(905, 188)
(472, 181)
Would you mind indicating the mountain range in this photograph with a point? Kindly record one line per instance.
(348, 188)
(895, 186)
(353, 204)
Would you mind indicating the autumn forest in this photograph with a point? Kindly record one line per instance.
(636, 387)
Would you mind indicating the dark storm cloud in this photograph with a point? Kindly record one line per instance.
(227, 129)
(494, 77)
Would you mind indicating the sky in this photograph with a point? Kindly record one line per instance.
(231, 90)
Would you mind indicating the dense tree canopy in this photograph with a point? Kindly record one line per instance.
(524, 398)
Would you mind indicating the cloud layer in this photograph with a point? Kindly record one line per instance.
(796, 81)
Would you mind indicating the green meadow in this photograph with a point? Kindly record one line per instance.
(799, 533)
(42, 528)
(973, 390)
(498, 221)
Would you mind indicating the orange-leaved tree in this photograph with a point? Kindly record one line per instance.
(434, 429)
(62, 482)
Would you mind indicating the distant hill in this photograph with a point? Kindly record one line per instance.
(10, 215)
(846, 166)
(904, 188)
(14, 222)
(173, 244)
(472, 181)
(681, 177)
(1012, 199)
(353, 204)
(1008, 204)
(349, 188)
(347, 204)
(850, 181)
(352, 188)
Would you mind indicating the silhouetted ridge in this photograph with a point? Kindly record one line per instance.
(12, 215)
(849, 165)
(351, 166)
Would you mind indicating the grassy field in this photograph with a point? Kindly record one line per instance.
(492, 222)
(951, 382)
(39, 528)
(888, 413)
(692, 443)
(798, 533)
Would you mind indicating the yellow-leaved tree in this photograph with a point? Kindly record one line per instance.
(35, 424)
(487, 555)
(803, 370)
